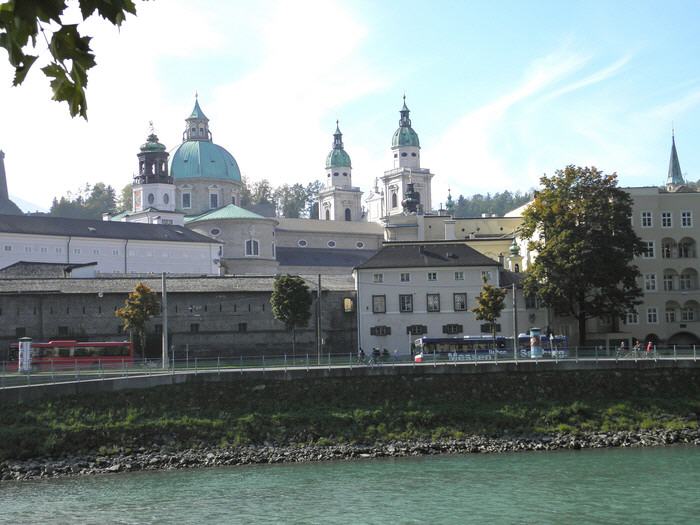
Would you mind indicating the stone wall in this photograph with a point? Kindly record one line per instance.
(226, 323)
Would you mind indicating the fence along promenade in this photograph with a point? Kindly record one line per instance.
(10, 377)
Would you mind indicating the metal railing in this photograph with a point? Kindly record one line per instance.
(62, 371)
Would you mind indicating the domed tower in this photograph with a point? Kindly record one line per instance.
(206, 176)
(339, 201)
(153, 186)
(405, 145)
(405, 149)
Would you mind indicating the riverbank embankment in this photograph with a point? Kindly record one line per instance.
(272, 419)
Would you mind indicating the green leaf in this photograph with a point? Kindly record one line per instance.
(22, 70)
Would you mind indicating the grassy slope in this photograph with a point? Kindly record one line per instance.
(332, 411)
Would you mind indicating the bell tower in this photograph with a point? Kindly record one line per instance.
(153, 187)
(339, 200)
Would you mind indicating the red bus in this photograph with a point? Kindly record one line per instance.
(63, 353)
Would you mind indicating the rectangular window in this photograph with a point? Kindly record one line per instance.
(632, 318)
(687, 314)
(432, 276)
(8, 248)
(406, 303)
(650, 282)
(96, 252)
(378, 278)
(686, 219)
(380, 330)
(670, 316)
(530, 302)
(652, 315)
(194, 328)
(648, 252)
(242, 327)
(115, 252)
(20, 331)
(186, 201)
(63, 331)
(685, 281)
(417, 329)
(486, 276)
(647, 221)
(76, 251)
(486, 328)
(378, 304)
(252, 248)
(460, 302)
(28, 249)
(452, 329)
(213, 200)
(433, 302)
(666, 219)
(44, 249)
(459, 276)
(668, 283)
(405, 277)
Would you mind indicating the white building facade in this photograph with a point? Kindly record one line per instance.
(409, 290)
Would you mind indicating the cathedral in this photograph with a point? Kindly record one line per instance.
(199, 186)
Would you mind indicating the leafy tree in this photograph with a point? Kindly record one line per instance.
(291, 200)
(139, 307)
(246, 195)
(291, 303)
(498, 203)
(71, 54)
(90, 202)
(126, 199)
(489, 305)
(262, 192)
(312, 191)
(579, 226)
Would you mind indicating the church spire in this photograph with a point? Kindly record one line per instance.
(7, 207)
(3, 178)
(405, 121)
(197, 124)
(337, 137)
(675, 177)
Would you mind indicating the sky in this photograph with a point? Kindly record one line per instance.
(500, 92)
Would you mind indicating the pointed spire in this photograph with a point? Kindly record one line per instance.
(675, 177)
(197, 112)
(337, 137)
(405, 121)
(4, 195)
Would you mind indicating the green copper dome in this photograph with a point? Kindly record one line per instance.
(338, 157)
(514, 248)
(201, 159)
(152, 144)
(405, 136)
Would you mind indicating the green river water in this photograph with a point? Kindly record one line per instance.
(654, 485)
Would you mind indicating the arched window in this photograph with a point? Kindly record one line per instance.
(328, 215)
(252, 248)
(517, 267)
(394, 200)
(348, 214)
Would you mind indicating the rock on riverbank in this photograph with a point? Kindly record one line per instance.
(166, 458)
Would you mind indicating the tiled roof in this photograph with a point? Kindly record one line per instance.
(426, 255)
(290, 256)
(94, 229)
(230, 211)
(123, 285)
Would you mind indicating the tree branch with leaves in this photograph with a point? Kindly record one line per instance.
(21, 21)
(291, 303)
